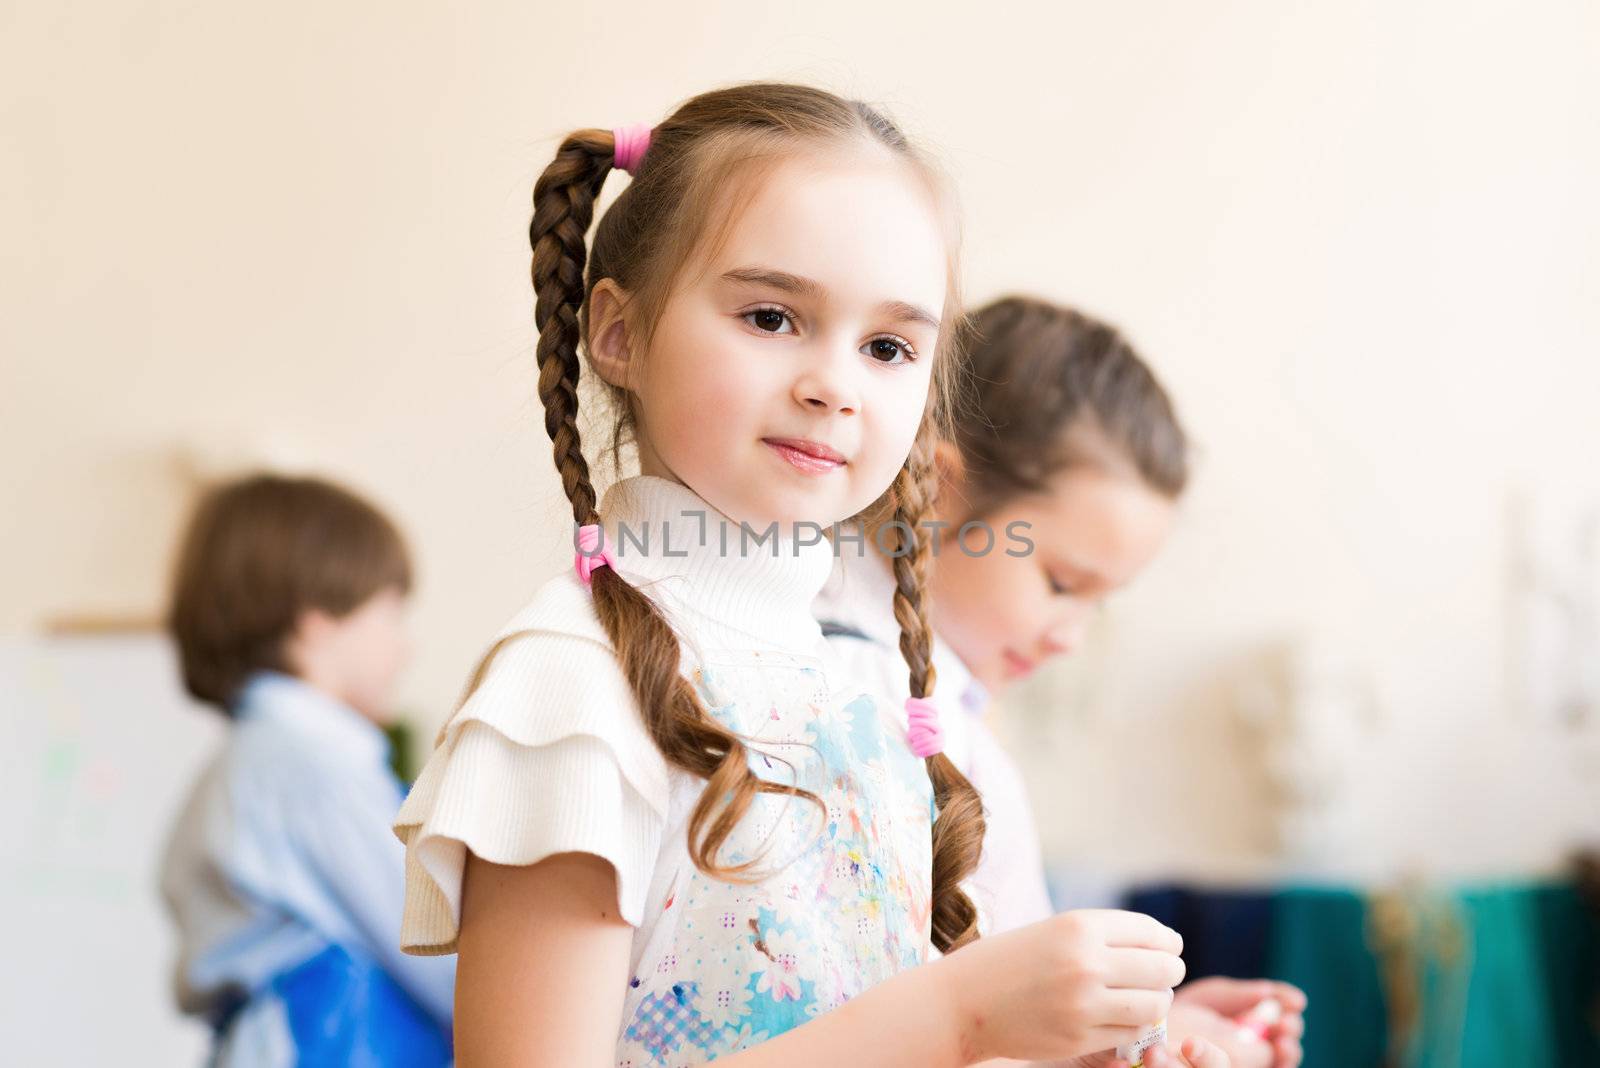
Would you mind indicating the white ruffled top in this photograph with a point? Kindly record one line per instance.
(549, 753)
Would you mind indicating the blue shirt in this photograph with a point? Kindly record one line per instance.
(282, 853)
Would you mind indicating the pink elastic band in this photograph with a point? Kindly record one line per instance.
(924, 733)
(591, 554)
(630, 144)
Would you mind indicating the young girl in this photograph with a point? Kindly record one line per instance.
(1072, 435)
(661, 829)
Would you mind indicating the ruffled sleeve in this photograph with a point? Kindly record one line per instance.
(547, 754)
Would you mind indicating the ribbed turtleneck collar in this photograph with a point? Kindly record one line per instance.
(721, 581)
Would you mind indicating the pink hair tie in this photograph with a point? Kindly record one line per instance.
(629, 145)
(592, 553)
(924, 733)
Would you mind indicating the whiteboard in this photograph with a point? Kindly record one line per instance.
(101, 746)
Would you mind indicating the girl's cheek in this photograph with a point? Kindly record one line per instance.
(726, 386)
(1030, 607)
(906, 407)
(1008, 608)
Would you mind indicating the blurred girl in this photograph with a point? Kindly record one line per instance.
(1068, 462)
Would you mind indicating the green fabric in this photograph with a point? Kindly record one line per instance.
(1507, 1012)
(1441, 952)
(1509, 975)
(1568, 937)
(1532, 981)
(1319, 943)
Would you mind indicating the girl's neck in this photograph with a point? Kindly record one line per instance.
(746, 584)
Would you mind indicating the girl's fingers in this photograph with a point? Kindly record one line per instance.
(1233, 996)
(1143, 969)
(1196, 1053)
(1292, 997)
(1290, 1027)
(1202, 1054)
(1137, 931)
(1160, 1057)
(1287, 1053)
(1109, 1038)
(1137, 1009)
(1230, 997)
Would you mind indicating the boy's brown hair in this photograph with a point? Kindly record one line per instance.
(258, 552)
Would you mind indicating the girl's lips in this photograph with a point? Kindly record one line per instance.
(810, 457)
(1017, 666)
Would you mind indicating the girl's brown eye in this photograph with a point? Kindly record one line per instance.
(888, 350)
(768, 320)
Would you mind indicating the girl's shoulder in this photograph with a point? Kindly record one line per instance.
(551, 673)
(562, 606)
(546, 753)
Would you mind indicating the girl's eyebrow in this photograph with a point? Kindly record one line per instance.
(783, 281)
(776, 279)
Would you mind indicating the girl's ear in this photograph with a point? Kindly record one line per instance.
(609, 352)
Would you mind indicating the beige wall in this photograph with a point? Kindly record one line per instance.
(1358, 239)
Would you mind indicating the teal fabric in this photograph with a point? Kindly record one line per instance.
(1509, 975)
(1318, 942)
(1569, 940)
(1524, 982)
(1507, 1015)
(1533, 983)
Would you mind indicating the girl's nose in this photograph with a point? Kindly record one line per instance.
(1065, 635)
(827, 384)
(1058, 641)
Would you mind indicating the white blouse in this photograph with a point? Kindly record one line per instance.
(549, 754)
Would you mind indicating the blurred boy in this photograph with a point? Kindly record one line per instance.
(281, 873)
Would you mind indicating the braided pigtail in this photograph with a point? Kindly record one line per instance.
(563, 207)
(645, 643)
(958, 830)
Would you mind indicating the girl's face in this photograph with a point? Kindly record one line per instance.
(789, 371)
(1092, 532)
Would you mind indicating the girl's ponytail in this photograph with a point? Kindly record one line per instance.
(645, 643)
(958, 831)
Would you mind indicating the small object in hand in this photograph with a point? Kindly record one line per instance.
(1133, 1052)
(1256, 1021)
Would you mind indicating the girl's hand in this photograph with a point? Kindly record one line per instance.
(1104, 1059)
(1075, 984)
(1207, 1008)
(1192, 1053)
